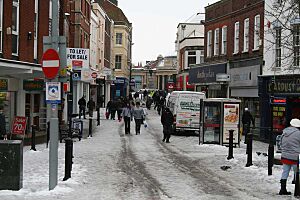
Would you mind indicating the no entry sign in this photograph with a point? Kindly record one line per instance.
(19, 125)
(50, 63)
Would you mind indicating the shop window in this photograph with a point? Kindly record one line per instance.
(118, 62)
(224, 40)
(246, 35)
(256, 32)
(296, 44)
(236, 37)
(119, 37)
(15, 27)
(216, 45)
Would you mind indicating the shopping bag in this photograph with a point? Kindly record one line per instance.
(107, 115)
(145, 124)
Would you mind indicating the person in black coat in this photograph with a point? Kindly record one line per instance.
(3, 134)
(91, 106)
(247, 119)
(82, 105)
(113, 109)
(167, 121)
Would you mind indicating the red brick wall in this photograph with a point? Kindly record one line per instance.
(227, 13)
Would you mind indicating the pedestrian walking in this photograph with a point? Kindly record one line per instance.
(138, 114)
(167, 121)
(108, 106)
(82, 106)
(113, 109)
(290, 150)
(91, 106)
(127, 116)
(247, 119)
(119, 105)
(3, 134)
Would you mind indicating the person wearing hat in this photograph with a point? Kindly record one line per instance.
(290, 145)
(246, 120)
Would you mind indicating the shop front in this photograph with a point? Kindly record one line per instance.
(119, 87)
(244, 85)
(279, 98)
(205, 79)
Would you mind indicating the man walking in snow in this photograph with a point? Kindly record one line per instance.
(138, 114)
(167, 121)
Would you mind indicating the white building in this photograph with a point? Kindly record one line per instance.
(190, 51)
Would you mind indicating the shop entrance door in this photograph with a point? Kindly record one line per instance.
(32, 110)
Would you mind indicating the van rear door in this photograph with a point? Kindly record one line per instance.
(195, 111)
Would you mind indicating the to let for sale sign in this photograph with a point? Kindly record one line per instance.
(19, 125)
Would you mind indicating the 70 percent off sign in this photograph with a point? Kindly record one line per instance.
(19, 125)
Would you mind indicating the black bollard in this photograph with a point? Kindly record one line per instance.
(249, 149)
(230, 151)
(33, 138)
(98, 116)
(297, 185)
(68, 158)
(90, 127)
(270, 154)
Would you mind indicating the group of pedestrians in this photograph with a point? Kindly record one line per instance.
(90, 105)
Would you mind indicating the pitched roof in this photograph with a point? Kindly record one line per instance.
(114, 12)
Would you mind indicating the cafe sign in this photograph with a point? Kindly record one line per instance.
(3, 84)
(284, 85)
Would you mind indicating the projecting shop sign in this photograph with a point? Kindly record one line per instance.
(78, 58)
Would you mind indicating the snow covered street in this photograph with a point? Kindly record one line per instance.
(112, 165)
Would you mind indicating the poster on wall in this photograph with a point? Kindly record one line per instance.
(78, 58)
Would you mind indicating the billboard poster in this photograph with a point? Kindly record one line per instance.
(53, 92)
(231, 114)
(78, 58)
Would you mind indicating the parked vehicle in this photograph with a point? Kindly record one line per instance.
(185, 107)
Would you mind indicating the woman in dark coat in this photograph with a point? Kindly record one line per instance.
(2, 124)
(167, 121)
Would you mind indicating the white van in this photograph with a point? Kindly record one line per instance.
(185, 107)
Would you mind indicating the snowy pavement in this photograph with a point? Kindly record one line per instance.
(111, 165)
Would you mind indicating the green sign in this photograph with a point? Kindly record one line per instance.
(37, 85)
(3, 84)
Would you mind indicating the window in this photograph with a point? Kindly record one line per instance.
(36, 28)
(118, 62)
(256, 32)
(236, 37)
(201, 56)
(119, 37)
(216, 45)
(1, 22)
(15, 27)
(224, 40)
(296, 43)
(209, 43)
(278, 47)
(246, 35)
(191, 58)
(50, 17)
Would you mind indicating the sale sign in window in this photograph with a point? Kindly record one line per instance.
(19, 125)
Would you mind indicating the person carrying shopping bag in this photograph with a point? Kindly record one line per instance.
(138, 114)
(127, 116)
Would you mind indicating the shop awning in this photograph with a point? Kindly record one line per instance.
(246, 92)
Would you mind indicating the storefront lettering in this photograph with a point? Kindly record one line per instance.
(202, 74)
(285, 86)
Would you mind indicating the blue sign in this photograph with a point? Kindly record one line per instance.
(53, 92)
(118, 93)
(76, 76)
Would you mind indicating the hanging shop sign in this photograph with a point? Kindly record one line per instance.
(53, 92)
(31, 85)
(78, 58)
(3, 84)
(19, 125)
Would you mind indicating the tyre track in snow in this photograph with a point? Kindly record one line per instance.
(208, 181)
(136, 171)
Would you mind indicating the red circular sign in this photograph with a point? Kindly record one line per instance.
(94, 75)
(50, 63)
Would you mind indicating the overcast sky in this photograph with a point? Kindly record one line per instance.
(155, 24)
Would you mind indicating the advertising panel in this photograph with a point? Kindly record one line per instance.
(78, 58)
(231, 122)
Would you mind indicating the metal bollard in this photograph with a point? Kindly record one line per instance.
(297, 184)
(249, 149)
(90, 127)
(33, 138)
(230, 151)
(98, 116)
(68, 158)
(270, 154)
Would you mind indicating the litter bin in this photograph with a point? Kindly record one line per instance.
(78, 124)
(11, 164)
